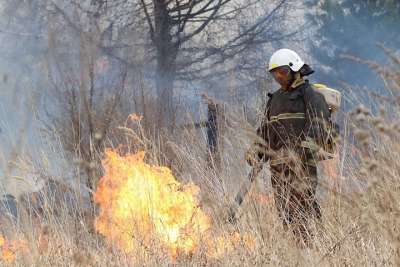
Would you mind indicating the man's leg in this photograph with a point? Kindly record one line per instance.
(280, 183)
(303, 202)
(313, 202)
(294, 194)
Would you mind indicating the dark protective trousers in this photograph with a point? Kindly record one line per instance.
(294, 193)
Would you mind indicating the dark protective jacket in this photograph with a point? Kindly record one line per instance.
(295, 119)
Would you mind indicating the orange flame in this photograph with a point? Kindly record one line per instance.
(10, 249)
(260, 198)
(222, 245)
(143, 205)
(140, 204)
(135, 117)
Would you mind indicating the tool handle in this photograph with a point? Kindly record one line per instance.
(243, 190)
(246, 185)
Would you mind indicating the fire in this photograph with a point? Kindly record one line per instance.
(141, 204)
(221, 245)
(261, 198)
(9, 249)
(135, 117)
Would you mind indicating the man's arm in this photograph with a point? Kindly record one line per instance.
(317, 118)
(257, 151)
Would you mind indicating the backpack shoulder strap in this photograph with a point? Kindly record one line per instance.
(268, 106)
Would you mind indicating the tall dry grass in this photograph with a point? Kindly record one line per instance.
(360, 205)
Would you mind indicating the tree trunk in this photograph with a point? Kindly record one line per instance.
(166, 57)
(165, 94)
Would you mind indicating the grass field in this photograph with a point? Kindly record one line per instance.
(359, 195)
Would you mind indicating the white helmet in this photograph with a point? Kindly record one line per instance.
(285, 57)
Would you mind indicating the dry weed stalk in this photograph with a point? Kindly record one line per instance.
(360, 216)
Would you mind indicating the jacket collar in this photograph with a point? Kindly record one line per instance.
(298, 81)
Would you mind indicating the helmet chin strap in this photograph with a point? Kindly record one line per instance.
(297, 80)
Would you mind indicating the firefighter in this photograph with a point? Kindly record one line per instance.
(291, 132)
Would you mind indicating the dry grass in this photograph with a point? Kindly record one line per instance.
(361, 206)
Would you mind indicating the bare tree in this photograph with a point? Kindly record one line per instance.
(168, 41)
(88, 97)
(185, 39)
(176, 28)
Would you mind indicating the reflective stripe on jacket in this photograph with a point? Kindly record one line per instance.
(294, 119)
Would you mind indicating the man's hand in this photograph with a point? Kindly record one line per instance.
(255, 154)
(251, 157)
(231, 216)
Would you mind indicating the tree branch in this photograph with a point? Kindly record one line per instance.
(148, 18)
(215, 10)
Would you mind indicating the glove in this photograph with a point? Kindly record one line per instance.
(310, 148)
(255, 154)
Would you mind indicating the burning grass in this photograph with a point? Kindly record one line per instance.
(139, 202)
(147, 216)
(10, 249)
(142, 205)
(150, 216)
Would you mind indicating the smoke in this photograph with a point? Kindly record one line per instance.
(32, 59)
(351, 28)
(22, 84)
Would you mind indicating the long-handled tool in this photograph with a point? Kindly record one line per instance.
(243, 190)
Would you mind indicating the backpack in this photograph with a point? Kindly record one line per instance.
(333, 99)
